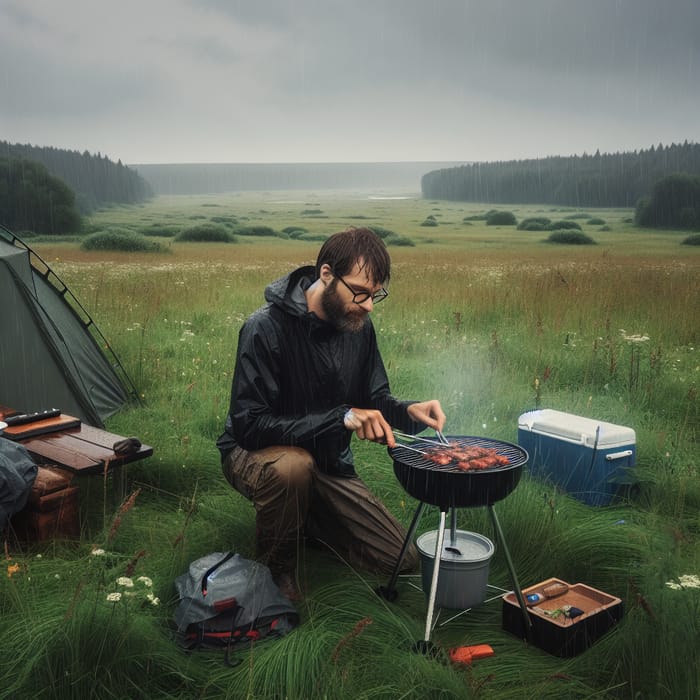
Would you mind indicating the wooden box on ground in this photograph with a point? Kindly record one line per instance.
(551, 630)
(52, 508)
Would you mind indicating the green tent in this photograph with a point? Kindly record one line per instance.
(51, 353)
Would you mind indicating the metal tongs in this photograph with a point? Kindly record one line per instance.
(443, 440)
(439, 439)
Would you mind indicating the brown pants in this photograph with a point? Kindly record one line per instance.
(293, 498)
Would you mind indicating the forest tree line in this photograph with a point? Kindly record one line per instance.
(95, 179)
(32, 199)
(599, 180)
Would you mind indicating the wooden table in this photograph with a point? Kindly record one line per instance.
(86, 451)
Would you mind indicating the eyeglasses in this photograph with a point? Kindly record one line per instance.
(361, 297)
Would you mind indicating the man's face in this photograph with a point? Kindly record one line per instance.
(337, 300)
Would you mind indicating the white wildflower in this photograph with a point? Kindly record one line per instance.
(125, 581)
(98, 552)
(689, 581)
(153, 599)
(114, 597)
(145, 581)
(684, 581)
(634, 338)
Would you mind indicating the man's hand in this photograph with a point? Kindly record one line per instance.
(428, 412)
(370, 424)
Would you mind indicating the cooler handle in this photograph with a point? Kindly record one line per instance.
(618, 455)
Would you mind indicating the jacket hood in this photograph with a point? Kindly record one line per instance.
(288, 292)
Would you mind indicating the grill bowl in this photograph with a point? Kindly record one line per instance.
(450, 487)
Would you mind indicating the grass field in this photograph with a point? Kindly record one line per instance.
(492, 321)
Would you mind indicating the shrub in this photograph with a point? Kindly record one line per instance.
(293, 229)
(596, 221)
(256, 231)
(430, 221)
(563, 224)
(474, 217)
(159, 231)
(501, 218)
(295, 233)
(395, 239)
(570, 237)
(693, 239)
(123, 239)
(314, 237)
(211, 233)
(312, 212)
(382, 232)
(578, 216)
(534, 223)
(232, 220)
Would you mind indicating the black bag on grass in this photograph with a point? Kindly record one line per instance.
(227, 602)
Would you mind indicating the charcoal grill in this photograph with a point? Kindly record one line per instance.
(449, 487)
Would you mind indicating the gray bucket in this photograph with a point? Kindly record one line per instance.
(464, 567)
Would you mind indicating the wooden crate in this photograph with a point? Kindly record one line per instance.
(52, 507)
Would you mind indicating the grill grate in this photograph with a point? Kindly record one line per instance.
(407, 455)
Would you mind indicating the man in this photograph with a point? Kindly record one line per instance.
(308, 375)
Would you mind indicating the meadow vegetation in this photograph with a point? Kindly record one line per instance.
(492, 320)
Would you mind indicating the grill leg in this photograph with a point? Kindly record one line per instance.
(516, 586)
(388, 592)
(434, 582)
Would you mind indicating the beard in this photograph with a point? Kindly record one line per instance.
(338, 315)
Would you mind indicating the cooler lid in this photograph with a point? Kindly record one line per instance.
(586, 431)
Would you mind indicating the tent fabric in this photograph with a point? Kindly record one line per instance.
(49, 358)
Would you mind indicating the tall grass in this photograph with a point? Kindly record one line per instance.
(491, 321)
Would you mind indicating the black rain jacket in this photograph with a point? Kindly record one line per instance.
(296, 376)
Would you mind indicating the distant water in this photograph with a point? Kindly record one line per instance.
(392, 197)
(215, 178)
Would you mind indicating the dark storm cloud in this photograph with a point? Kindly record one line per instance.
(39, 85)
(463, 40)
(369, 79)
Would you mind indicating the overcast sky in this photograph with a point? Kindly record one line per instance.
(233, 81)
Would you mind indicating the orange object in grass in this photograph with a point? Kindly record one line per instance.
(465, 655)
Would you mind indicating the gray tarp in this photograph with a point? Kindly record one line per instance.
(17, 474)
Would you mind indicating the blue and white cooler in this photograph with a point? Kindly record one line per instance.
(587, 458)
